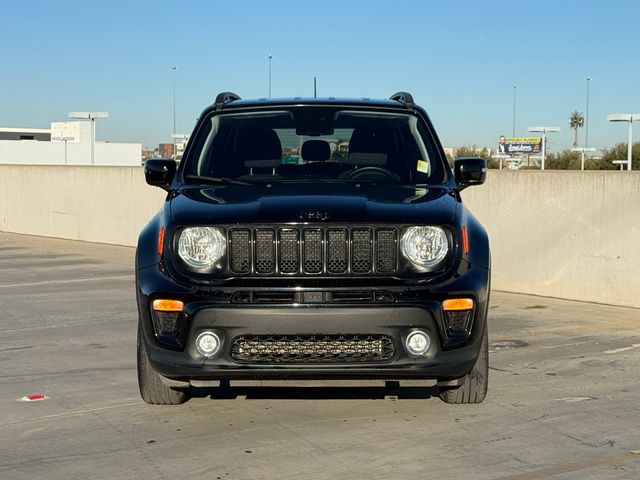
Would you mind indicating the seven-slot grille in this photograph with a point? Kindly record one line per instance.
(312, 250)
(345, 348)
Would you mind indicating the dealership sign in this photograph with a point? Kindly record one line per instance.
(520, 145)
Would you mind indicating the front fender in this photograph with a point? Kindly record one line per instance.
(147, 249)
(479, 251)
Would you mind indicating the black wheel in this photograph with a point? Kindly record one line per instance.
(369, 173)
(475, 383)
(152, 390)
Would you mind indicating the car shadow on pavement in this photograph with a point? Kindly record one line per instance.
(314, 393)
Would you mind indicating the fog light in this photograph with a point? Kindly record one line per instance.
(207, 344)
(418, 343)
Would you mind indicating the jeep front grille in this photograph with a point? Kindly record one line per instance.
(265, 250)
(346, 348)
(313, 250)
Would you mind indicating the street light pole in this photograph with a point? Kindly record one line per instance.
(586, 133)
(544, 131)
(92, 117)
(630, 145)
(270, 57)
(513, 133)
(626, 117)
(582, 150)
(173, 69)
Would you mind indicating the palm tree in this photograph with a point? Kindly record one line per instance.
(576, 121)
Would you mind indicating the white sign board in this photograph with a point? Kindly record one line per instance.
(65, 132)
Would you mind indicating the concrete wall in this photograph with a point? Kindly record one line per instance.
(95, 204)
(562, 234)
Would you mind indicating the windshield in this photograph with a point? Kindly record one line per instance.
(313, 143)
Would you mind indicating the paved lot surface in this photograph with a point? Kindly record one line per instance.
(564, 400)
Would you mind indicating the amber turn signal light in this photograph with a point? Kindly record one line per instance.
(163, 305)
(465, 240)
(161, 241)
(457, 304)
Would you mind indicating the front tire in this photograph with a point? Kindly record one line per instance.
(475, 383)
(152, 390)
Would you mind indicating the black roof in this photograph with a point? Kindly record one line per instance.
(313, 101)
(228, 100)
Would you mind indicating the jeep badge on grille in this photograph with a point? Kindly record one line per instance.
(313, 215)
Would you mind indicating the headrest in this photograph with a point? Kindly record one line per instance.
(315, 151)
(259, 147)
(368, 146)
(369, 140)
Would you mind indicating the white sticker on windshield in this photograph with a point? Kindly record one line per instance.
(423, 166)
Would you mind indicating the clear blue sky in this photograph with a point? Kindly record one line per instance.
(460, 59)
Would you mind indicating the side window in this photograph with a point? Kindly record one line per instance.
(212, 145)
(437, 168)
(200, 145)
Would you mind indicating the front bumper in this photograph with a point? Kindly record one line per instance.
(413, 307)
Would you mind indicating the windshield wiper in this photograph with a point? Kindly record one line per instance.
(220, 180)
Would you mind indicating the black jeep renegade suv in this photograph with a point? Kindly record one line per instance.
(313, 239)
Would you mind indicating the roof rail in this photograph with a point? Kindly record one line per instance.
(225, 97)
(403, 97)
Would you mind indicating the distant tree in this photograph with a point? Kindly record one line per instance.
(599, 164)
(576, 121)
(474, 151)
(565, 160)
(619, 152)
(493, 163)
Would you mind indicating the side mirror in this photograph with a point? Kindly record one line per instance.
(470, 171)
(159, 172)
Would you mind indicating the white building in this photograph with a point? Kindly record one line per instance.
(16, 133)
(66, 143)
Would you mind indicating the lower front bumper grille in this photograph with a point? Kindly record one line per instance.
(274, 349)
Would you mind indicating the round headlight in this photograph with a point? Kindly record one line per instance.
(426, 247)
(201, 247)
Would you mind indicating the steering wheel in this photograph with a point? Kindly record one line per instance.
(376, 171)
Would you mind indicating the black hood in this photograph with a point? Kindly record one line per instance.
(312, 202)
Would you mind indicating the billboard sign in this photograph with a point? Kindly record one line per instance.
(520, 145)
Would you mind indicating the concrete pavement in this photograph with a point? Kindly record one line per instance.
(563, 403)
